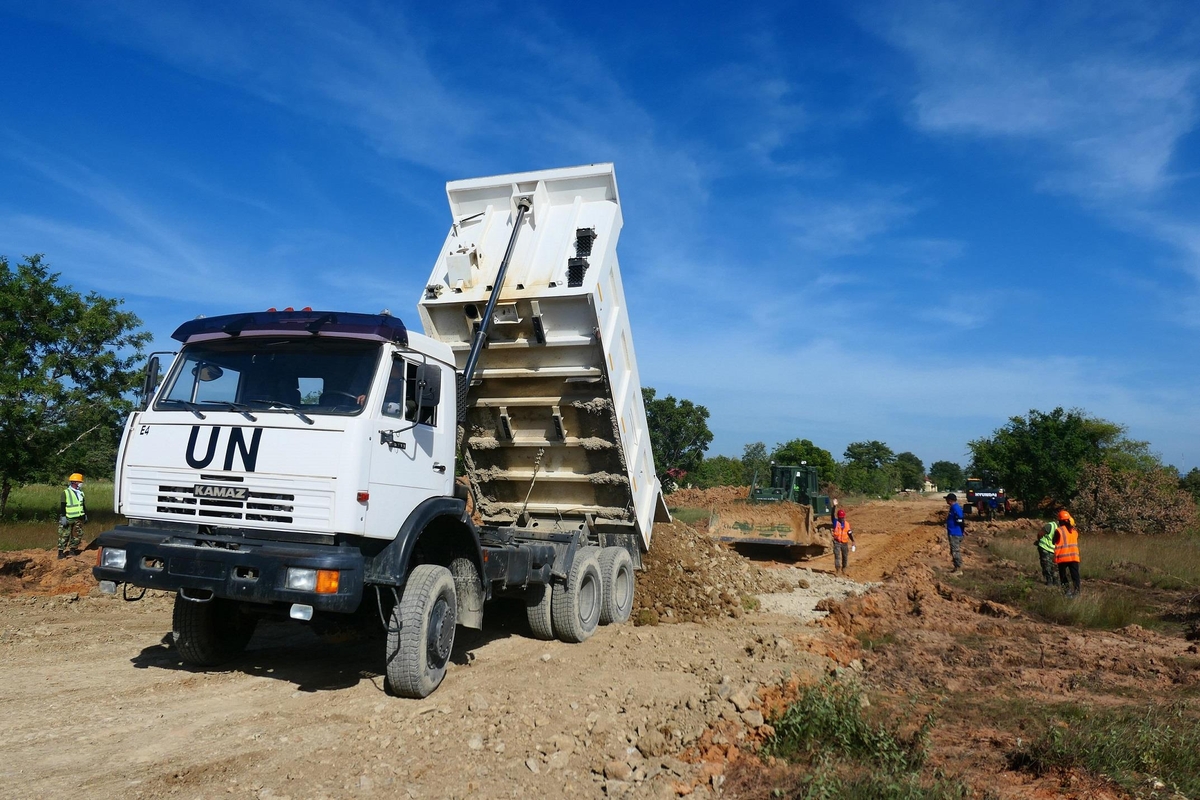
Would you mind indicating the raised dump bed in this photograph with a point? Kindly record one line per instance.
(555, 424)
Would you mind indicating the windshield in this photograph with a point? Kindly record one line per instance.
(312, 376)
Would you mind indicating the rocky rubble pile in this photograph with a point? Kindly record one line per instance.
(690, 578)
(707, 498)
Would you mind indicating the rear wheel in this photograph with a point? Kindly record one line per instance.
(575, 608)
(209, 633)
(421, 632)
(617, 579)
(537, 610)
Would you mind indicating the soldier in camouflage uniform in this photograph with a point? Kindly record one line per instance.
(72, 514)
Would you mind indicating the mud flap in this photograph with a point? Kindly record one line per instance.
(469, 588)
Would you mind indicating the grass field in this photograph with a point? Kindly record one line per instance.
(31, 518)
(1160, 562)
(1126, 579)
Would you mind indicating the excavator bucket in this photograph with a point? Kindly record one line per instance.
(782, 524)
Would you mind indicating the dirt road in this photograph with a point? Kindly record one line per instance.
(96, 703)
(888, 534)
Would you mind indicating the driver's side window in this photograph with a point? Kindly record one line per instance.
(393, 396)
(400, 397)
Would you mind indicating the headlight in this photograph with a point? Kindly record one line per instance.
(112, 557)
(304, 580)
(321, 581)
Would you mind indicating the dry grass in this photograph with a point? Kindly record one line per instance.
(31, 518)
(1126, 579)
(1161, 562)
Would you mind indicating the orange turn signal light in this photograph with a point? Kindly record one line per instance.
(327, 581)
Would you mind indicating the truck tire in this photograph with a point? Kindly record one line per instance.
(537, 610)
(575, 607)
(421, 632)
(616, 576)
(208, 634)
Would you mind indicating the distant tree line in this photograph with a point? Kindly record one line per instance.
(680, 436)
(1045, 460)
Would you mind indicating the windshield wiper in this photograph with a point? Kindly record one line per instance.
(238, 407)
(192, 407)
(288, 406)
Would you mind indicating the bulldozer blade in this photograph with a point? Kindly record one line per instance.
(781, 524)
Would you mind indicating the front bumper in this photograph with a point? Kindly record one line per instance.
(236, 568)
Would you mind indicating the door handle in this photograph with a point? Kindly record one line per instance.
(439, 468)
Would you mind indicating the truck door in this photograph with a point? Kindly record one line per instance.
(412, 449)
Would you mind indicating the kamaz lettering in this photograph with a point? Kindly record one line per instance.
(221, 492)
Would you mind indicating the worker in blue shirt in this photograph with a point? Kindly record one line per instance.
(956, 528)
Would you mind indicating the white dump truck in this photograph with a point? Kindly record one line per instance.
(302, 463)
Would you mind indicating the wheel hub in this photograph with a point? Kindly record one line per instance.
(441, 632)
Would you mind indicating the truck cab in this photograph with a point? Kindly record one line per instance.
(303, 435)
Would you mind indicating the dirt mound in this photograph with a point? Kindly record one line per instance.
(707, 498)
(40, 572)
(691, 578)
(998, 525)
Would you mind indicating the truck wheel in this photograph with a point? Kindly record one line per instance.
(616, 576)
(576, 605)
(207, 634)
(421, 632)
(537, 611)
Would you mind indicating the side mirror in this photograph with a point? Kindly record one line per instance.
(429, 385)
(151, 381)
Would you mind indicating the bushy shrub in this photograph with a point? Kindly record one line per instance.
(1132, 501)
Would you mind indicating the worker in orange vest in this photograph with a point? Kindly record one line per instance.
(843, 536)
(1066, 552)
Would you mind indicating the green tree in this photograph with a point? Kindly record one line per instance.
(1190, 483)
(67, 364)
(946, 474)
(910, 471)
(869, 469)
(1039, 457)
(870, 455)
(755, 463)
(679, 432)
(799, 451)
(718, 471)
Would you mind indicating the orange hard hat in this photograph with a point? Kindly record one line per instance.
(75, 478)
(1063, 515)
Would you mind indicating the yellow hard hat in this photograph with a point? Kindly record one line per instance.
(75, 478)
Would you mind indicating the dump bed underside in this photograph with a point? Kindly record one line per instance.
(555, 424)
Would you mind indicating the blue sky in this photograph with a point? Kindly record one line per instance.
(843, 221)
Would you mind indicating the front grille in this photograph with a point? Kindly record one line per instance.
(257, 507)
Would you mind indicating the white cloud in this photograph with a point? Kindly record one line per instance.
(1112, 111)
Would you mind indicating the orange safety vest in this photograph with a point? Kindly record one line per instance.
(1066, 544)
(841, 531)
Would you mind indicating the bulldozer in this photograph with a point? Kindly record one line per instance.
(782, 513)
